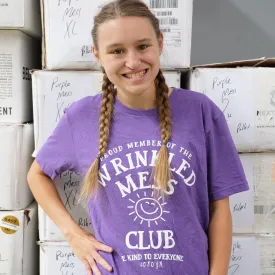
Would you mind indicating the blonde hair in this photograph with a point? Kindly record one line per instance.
(161, 173)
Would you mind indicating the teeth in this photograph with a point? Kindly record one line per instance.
(140, 74)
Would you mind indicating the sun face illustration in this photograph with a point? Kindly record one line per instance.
(147, 209)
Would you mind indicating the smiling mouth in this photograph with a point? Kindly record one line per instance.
(149, 213)
(137, 75)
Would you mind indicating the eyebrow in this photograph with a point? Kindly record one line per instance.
(144, 40)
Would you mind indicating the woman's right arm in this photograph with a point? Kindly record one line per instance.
(84, 244)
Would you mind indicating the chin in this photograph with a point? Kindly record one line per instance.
(138, 90)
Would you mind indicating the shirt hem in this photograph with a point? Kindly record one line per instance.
(241, 187)
(45, 169)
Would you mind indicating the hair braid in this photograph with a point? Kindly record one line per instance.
(163, 107)
(162, 171)
(108, 93)
(91, 184)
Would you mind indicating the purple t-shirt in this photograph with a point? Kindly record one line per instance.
(148, 235)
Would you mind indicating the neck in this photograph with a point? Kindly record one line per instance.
(142, 101)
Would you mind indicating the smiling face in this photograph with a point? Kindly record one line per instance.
(129, 50)
(148, 209)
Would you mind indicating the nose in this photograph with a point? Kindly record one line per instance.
(132, 60)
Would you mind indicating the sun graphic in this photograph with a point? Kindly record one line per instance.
(147, 209)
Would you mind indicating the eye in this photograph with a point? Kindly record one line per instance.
(117, 51)
(143, 47)
(147, 202)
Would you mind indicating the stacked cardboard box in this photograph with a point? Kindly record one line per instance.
(21, 15)
(67, 29)
(18, 54)
(20, 29)
(244, 91)
(253, 255)
(18, 235)
(16, 148)
(58, 258)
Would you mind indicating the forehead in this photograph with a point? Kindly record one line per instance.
(125, 30)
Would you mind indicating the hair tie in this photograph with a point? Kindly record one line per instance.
(164, 143)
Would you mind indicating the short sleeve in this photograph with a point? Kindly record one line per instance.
(58, 152)
(225, 173)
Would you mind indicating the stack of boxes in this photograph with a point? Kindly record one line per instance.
(72, 73)
(19, 51)
(245, 92)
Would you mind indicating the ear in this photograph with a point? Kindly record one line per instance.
(160, 40)
(96, 54)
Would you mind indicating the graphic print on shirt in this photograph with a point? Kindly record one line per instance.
(133, 164)
(147, 209)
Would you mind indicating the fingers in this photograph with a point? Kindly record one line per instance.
(92, 265)
(103, 247)
(98, 245)
(86, 247)
(87, 267)
(102, 261)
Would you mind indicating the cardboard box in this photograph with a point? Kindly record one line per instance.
(245, 256)
(68, 186)
(252, 255)
(245, 92)
(253, 211)
(23, 15)
(242, 204)
(56, 90)
(53, 91)
(16, 147)
(18, 235)
(57, 258)
(67, 29)
(18, 54)
(267, 254)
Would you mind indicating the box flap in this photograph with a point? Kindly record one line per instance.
(31, 210)
(30, 249)
(53, 243)
(259, 62)
(42, 8)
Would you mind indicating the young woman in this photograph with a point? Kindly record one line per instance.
(160, 163)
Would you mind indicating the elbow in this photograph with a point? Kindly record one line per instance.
(33, 173)
(30, 177)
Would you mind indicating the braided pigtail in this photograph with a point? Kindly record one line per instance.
(162, 173)
(91, 183)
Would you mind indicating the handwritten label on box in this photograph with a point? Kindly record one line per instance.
(245, 256)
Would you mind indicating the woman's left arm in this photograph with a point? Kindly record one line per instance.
(220, 237)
